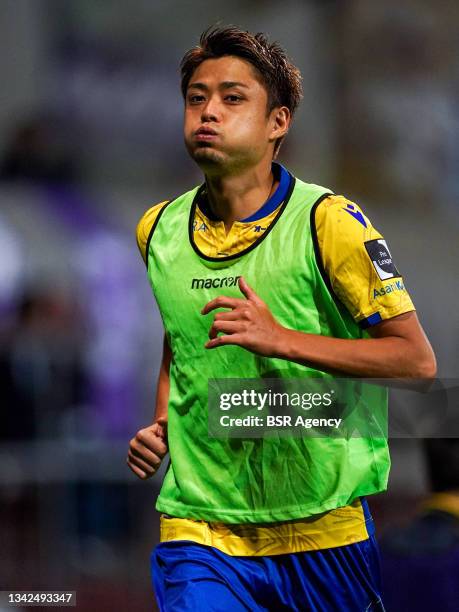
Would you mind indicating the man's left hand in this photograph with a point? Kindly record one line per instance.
(248, 324)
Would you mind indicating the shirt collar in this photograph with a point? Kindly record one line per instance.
(281, 175)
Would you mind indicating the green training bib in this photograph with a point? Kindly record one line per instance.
(264, 479)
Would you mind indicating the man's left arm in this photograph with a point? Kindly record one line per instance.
(398, 347)
(357, 266)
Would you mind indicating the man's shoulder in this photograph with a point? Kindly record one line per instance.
(339, 213)
(309, 193)
(145, 226)
(149, 219)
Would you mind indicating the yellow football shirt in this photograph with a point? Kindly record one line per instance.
(341, 237)
(342, 232)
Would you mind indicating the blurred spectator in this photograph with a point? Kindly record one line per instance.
(35, 152)
(420, 562)
(40, 367)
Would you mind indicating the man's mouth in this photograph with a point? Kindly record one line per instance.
(204, 134)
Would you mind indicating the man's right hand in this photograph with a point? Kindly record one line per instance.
(147, 449)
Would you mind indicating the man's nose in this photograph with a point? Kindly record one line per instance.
(210, 111)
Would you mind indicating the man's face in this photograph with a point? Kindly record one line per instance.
(227, 124)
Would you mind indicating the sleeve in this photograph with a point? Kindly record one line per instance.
(145, 226)
(358, 263)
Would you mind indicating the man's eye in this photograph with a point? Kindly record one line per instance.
(195, 99)
(233, 98)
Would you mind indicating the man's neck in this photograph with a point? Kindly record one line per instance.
(237, 196)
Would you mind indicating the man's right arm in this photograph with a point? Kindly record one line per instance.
(149, 446)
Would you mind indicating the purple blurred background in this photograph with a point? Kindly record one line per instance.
(90, 137)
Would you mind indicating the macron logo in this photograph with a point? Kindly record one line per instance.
(214, 283)
(350, 208)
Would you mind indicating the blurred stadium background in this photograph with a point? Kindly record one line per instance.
(90, 137)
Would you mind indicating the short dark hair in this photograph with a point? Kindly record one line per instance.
(280, 76)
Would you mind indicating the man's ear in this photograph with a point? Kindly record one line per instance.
(280, 120)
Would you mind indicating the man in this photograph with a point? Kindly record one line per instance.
(296, 275)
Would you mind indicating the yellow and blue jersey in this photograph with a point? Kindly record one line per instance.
(357, 265)
(348, 245)
(339, 527)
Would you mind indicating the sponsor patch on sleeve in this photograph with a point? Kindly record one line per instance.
(381, 258)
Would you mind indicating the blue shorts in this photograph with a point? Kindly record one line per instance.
(194, 577)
